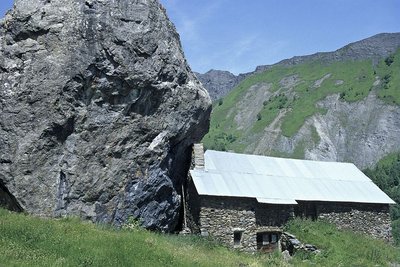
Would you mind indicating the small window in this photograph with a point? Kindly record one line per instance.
(237, 238)
(274, 238)
(265, 238)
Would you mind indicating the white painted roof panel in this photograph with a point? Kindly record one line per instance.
(280, 180)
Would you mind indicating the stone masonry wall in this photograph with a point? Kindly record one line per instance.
(192, 208)
(221, 217)
(373, 220)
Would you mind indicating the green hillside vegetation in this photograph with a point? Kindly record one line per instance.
(32, 241)
(314, 81)
(340, 248)
(386, 175)
(389, 71)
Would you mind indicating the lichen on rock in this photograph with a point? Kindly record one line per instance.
(98, 110)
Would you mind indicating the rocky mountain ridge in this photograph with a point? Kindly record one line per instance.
(338, 106)
(98, 111)
(219, 83)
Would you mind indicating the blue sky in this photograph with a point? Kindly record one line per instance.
(238, 35)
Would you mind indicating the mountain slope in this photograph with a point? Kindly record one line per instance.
(341, 106)
(374, 48)
(219, 83)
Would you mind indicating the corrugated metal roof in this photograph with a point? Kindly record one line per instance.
(283, 181)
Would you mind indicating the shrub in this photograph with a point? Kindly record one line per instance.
(396, 231)
(389, 60)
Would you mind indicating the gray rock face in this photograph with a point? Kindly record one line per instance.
(98, 111)
(219, 83)
(362, 132)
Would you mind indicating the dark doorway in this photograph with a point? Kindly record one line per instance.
(268, 241)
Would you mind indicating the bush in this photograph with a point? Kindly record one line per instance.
(387, 77)
(389, 60)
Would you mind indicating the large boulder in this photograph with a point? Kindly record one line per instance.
(98, 111)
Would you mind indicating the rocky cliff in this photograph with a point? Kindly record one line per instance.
(98, 111)
(218, 82)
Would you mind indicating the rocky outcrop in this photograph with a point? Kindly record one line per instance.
(98, 111)
(219, 83)
(292, 245)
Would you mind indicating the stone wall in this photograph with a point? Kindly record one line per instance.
(273, 215)
(192, 208)
(221, 217)
(370, 219)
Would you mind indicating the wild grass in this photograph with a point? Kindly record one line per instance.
(32, 241)
(389, 72)
(340, 247)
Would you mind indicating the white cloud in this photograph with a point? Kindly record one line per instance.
(187, 23)
(244, 55)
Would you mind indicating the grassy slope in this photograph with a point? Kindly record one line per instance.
(31, 241)
(357, 76)
(340, 248)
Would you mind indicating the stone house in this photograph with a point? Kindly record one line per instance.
(244, 200)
